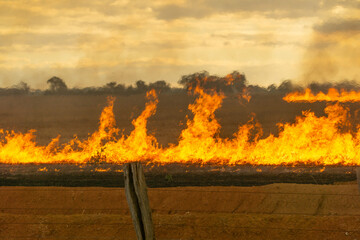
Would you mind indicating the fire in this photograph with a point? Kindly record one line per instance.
(310, 140)
(138, 146)
(333, 95)
(229, 79)
(197, 141)
(245, 95)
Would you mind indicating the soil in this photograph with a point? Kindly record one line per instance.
(276, 211)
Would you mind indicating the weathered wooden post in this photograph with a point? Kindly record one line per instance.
(137, 198)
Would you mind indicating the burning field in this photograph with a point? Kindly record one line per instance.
(240, 118)
(198, 150)
(331, 139)
(301, 137)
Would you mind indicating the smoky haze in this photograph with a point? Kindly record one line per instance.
(333, 52)
(92, 43)
(203, 79)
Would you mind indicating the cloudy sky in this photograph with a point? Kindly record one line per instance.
(92, 42)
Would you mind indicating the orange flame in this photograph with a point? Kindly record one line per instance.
(310, 140)
(333, 95)
(229, 79)
(245, 95)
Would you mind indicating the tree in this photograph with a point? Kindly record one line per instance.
(190, 81)
(237, 85)
(141, 86)
(23, 87)
(233, 82)
(271, 88)
(114, 88)
(57, 85)
(286, 86)
(160, 85)
(111, 85)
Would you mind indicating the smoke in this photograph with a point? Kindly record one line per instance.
(132, 50)
(333, 52)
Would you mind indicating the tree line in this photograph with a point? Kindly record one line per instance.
(234, 82)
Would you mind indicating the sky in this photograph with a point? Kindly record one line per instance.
(91, 43)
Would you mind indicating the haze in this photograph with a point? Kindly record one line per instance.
(90, 43)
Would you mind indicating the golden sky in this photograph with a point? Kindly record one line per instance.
(92, 42)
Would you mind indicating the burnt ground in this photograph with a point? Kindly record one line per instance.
(171, 175)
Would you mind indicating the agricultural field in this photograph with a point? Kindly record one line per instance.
(277, 211)
(190, 201)
(228, 120)
(67, 116)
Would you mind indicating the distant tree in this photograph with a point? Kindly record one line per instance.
(56, 85)
(130, 90)
(120, 88)
(111, 85)
(190, 81)
(271, 88)
(287, 86)
(114, 88)
(238, 82)
(160, 85)
(141, 86)
(233, 82)
(22, 87)
(256, 90)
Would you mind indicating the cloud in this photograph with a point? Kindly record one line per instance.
(170, 12)
(14, 15)
(338, 26)
(43, 39)
(93, 42)
(273, 9)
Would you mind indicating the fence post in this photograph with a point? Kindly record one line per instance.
(138, 201)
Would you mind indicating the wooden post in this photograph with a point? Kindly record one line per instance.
(137, 198)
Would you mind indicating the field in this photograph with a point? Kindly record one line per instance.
(230, 204)
(69, 115)
(278, 211)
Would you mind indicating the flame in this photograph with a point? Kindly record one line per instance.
(197, 140)
(310, 140)
(139, 145)
(245, 95)
(333, 95)
(229, 79)
(102, 170)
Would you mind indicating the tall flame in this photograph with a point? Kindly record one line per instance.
(197, 141)
(333, 95)
(310, 140)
